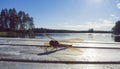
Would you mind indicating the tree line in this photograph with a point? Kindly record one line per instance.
(44, 30)
(11, 20)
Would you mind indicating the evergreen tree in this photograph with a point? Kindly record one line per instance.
(116, 28)
(13, 20)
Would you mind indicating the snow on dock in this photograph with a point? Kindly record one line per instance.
(19, 52)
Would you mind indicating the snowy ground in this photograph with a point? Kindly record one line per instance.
(93, 52)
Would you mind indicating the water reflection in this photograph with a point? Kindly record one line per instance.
(84, 36)
(90, 36)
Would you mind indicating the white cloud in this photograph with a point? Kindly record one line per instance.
(117, 17)
(112, 15)
(104, 25)
(118, 5)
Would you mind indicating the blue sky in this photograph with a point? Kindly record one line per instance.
(69, 14)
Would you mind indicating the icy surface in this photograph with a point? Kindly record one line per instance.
(61, 54)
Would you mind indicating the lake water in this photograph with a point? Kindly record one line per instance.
(85, 36)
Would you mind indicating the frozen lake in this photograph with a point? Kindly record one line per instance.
(107, 37)
(91, 51)
(104, 54)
